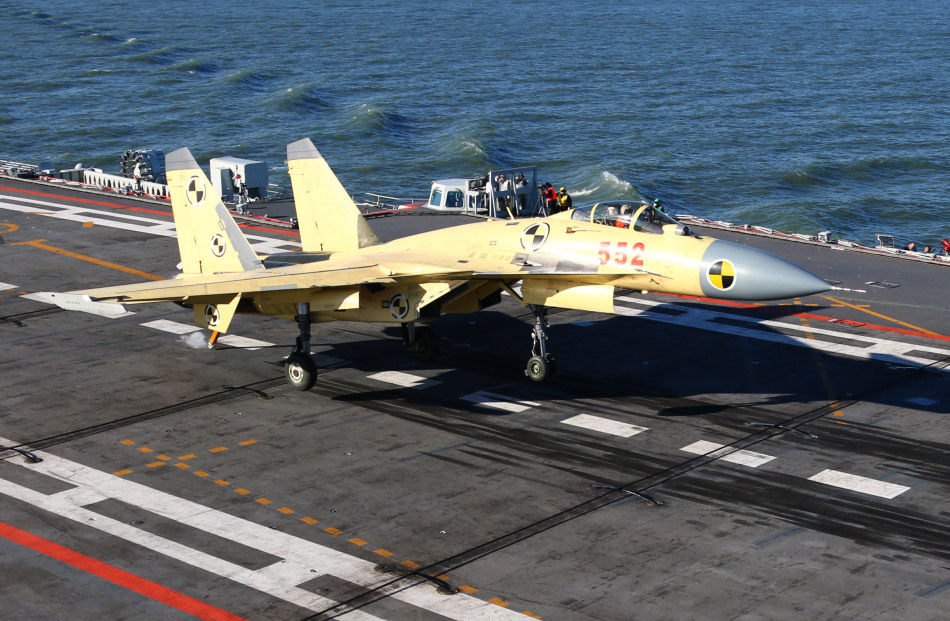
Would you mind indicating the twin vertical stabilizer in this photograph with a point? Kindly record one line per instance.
(328, 219)
(208, 238)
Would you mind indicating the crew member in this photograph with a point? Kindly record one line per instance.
(550, 199)
(564, 201)
(946, 246)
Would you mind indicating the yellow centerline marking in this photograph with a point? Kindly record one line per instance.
(38, 243)
(870, 312)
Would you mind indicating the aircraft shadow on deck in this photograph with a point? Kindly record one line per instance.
(618, 357)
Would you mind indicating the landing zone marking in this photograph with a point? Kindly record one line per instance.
(604, 425)
(719, 451)
(860, 484)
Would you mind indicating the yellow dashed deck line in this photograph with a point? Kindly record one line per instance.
(247, 442)
(163, 457)
(333, 531)
(120, 473)
(128, 442)
(411, 565)
(188, 456)
(145, 449)
(357, 541)
(530, 614)
(264, 501)
(155, 464)
(201, 473)
(309, 520)
(499, 602)
(242, 491)
(468, 589)
(222, 482)
(383, 552)
(218, 449)
(286, 510)
(182, 465)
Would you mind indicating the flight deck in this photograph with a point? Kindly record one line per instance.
(690, 459)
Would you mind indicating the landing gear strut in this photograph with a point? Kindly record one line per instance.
(422, 340)
(300, 368)
(541, 365)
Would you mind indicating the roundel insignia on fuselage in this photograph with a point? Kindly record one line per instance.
(212, 315)
(534, 236)
(721, 275)
(196, 191)
(399, 306)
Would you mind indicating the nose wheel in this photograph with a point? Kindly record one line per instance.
(300, 368)
(541, 364)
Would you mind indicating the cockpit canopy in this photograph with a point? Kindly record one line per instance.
(626, 214)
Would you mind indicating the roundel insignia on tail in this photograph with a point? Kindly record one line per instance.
(534, 236)
(196, 191)
(399, 306)
(212, 315)
(721, 275)
(218, 245)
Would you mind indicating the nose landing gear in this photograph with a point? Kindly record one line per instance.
(541, 364)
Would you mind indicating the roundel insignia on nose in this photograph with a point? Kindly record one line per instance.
(195, 192)
(534, 236)
(721, 275)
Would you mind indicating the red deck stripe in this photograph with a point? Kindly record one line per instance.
(85, 200)
(117, 576)
(783, 311)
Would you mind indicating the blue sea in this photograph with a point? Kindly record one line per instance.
(799, 115)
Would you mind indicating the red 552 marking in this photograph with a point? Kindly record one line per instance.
(620, 253)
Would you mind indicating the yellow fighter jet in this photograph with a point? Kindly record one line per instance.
(574, 259)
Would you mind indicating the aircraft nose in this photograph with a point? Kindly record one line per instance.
(736, 272)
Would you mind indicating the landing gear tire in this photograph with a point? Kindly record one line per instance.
(538, 369)
(301, 371)
(426, 347)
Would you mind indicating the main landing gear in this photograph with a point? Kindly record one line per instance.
(422, 340)
(300, 368)
(541, 364)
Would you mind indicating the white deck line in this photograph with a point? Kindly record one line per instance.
(604, 425)
(174, 327)
(235, 340)
(5, 286)
(856, 483)
(406, 380)
(302, 559)
(880, 349)
(741, 457)
(499, 402)
(129, 222)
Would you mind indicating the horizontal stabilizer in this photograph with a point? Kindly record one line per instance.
(76, 302)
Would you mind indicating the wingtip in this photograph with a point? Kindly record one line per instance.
(302, 149)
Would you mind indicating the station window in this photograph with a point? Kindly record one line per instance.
(436, 199)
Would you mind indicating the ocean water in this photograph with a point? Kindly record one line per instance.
(800, 115)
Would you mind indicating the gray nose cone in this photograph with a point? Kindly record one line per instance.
(736, 272)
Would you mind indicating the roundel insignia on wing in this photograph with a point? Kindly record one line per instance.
(721, 275)
(399, 306)
(196, 191)
(534, 236)
(218, 245)
(212, 315)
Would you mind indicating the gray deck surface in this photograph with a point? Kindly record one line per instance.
(336, 501)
